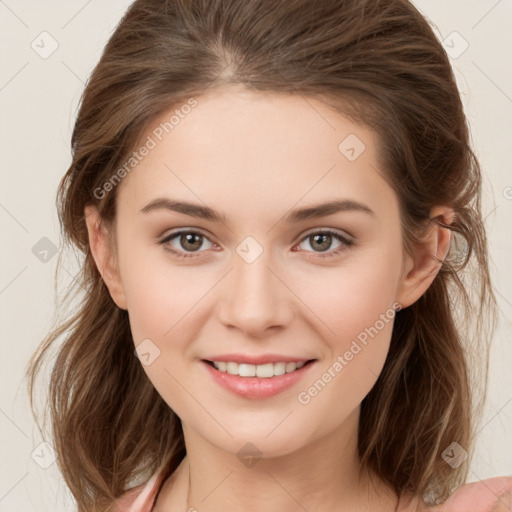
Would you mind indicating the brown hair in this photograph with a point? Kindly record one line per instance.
(376, 61)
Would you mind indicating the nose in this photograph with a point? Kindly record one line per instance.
(255, 298)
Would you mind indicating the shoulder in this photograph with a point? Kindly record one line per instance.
(124, 503)
(482, 496)
(139, 498)
(490, 495)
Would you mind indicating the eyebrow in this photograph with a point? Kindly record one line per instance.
(298, 215)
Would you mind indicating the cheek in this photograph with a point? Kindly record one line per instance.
(355, 302)
(166, 311)
(155, 307)
(357, 295)
(160, 293)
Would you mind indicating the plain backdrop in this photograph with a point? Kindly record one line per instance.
(48, 49)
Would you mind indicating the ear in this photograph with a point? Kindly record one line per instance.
(421, 269)
(102, 251)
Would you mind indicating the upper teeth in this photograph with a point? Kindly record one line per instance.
(259, 370)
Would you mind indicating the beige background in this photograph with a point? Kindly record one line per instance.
(38, 100)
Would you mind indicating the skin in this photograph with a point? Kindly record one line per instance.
(254, 157)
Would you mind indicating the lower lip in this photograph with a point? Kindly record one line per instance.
(257, 387)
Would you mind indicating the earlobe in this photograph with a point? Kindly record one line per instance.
(102, 252)
(421, 269)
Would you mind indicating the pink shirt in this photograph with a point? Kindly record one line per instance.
(481, 496)
(140, 498)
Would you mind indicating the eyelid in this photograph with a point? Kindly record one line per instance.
(339, 232)
(178, 231)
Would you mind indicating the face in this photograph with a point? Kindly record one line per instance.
(262, 279)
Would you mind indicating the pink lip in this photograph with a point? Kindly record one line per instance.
(257, 387)
(259, 359)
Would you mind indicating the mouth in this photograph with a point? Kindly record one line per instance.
(258, 382)
(262, 371)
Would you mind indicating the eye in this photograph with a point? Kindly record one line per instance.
(187, 241)
(322, 240)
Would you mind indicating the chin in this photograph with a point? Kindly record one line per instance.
(258, 443)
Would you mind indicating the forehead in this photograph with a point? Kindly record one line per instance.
(255, 151)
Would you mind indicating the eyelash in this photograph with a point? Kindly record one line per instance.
(346, 243)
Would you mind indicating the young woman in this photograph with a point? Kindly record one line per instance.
(285, 266)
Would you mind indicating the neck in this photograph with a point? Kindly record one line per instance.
(324, 475)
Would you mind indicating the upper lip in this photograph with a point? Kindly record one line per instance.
(257, 359)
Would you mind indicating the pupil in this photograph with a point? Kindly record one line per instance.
(188, 240)
(325, 237)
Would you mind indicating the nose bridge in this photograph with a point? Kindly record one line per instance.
(254, 298)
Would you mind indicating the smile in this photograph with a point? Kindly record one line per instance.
(257, 381)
